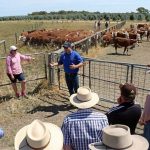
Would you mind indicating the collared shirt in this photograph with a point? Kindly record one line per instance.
(69, 59)
(82, 128)
(126, 113)
(13, 63)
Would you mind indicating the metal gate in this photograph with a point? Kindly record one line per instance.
(104, 77)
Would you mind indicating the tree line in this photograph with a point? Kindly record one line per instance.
(141, 14)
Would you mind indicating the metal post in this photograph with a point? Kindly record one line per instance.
(51, 69)
(89, 74)
(16, 38)
(5, 46)
(131, 74)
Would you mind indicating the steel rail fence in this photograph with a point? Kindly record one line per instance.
(104, 77)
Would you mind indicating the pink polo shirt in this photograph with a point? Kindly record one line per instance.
(13, 63)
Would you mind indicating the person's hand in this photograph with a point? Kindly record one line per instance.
(148, 65)
(73, 66)
(52, 64)
(12, 77)
(141, 122)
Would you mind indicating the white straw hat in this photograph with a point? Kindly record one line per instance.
(84, 98)
(119, 137)
(13, 48)
(39, 135)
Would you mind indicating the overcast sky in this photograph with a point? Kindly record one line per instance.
(24, 7)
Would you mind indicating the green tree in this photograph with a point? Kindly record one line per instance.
(142, 10)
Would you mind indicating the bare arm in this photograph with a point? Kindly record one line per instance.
(53, 64)
(67, 147)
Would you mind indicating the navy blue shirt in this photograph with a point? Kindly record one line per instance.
(69, 59)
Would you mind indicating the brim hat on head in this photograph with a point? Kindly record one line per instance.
(128, 90)
(67, 44)
(13, 48)
(84, 98)
(39, 135)
(119, 137)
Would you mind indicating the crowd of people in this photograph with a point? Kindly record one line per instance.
(98, 25)
(86, 128)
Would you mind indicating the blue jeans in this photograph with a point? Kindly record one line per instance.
(147, 132)
(72, 82)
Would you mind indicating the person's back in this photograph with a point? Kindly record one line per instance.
(126, 114)
(83, 127)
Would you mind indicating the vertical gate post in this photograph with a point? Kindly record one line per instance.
(16, 38)
(5, 46)
(51, 69)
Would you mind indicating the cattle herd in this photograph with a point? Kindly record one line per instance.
(126, 38)
(54, 37)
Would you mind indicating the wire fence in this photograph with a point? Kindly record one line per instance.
(104, 77)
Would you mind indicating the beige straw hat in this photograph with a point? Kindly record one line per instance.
(84, 98)
(39, 136)
(119, 137)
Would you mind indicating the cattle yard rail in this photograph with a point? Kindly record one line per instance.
(104, 78)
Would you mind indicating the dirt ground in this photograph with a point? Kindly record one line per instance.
(53, 105)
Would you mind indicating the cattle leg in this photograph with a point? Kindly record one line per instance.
(125, 48)
(116, 48)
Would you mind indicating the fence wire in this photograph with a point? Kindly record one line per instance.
(104, 77)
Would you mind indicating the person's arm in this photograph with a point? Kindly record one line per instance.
(8, 65)
(53, 64)
(73, 66)
(67, 147)
(25, 57)
(79, 62)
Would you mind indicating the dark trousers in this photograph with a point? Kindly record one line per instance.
(72, 82)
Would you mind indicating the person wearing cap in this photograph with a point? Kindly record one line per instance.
(14, 70)
(84, 126)
(71, 61)
(118, 137)
(127, 112)
(145, 118)
(39, 136)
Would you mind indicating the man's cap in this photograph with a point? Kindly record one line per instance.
(13, 48)
(128, 91)
(67, 44)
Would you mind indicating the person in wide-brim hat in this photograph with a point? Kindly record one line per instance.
(84, 98)
(39, 135)
(118, 137)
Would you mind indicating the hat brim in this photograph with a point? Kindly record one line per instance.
(84, 104)
(56, 140)
(139, 143)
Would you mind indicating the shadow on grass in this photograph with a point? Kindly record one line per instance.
(5, 98)
(55, 109)
(119, 54)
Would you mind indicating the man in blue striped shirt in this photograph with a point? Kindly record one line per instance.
(84, 126)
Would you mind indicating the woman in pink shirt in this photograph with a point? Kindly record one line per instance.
(145, 119)
(14, 70)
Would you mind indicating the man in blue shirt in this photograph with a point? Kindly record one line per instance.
(71, 61)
